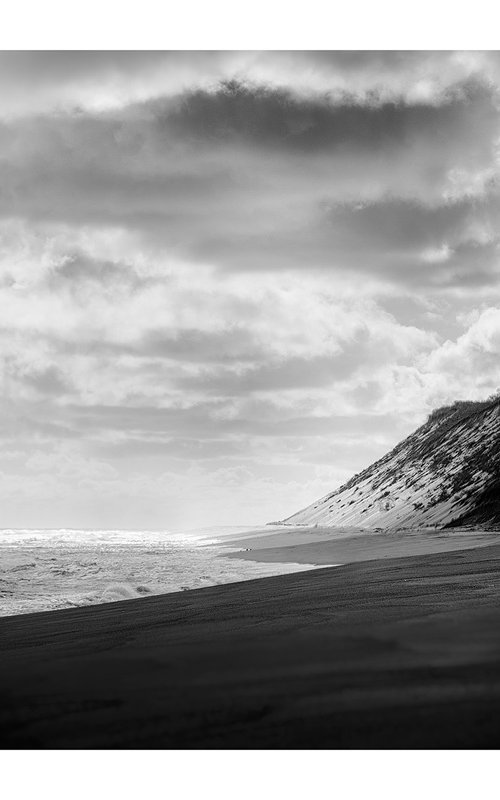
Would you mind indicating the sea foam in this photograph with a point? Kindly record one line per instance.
(51, 569)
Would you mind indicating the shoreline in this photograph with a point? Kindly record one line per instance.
(320, 546)
(347, 657)
(37, 580)
(54, 569)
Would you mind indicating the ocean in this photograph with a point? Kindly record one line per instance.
(44, 570)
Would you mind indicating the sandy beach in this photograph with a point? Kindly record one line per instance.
(250, 387)
(320, 546)
(389, 652)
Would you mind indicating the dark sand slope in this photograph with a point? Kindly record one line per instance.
(390, 653)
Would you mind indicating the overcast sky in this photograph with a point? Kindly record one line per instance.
(228, 281)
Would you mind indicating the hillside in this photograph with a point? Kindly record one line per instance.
(447, 473)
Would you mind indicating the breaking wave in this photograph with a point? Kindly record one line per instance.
(43, 570)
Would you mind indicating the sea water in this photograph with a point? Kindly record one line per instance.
(42, 570)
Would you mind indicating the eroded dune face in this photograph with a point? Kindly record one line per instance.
(446, 473)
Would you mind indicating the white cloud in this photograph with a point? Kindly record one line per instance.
(218, 306)
(471, 364)
(436, 255)
(34, 82)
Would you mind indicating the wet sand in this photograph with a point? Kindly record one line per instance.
(347, 545)
(393, 652)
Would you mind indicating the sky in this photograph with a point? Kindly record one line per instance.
(231, 280)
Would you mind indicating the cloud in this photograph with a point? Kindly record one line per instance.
(471, 364)
(37, 81)
(278, 118)
(250, 178)
(229, 280)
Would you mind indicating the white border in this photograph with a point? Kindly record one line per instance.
(248, 775)
(261, 24)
